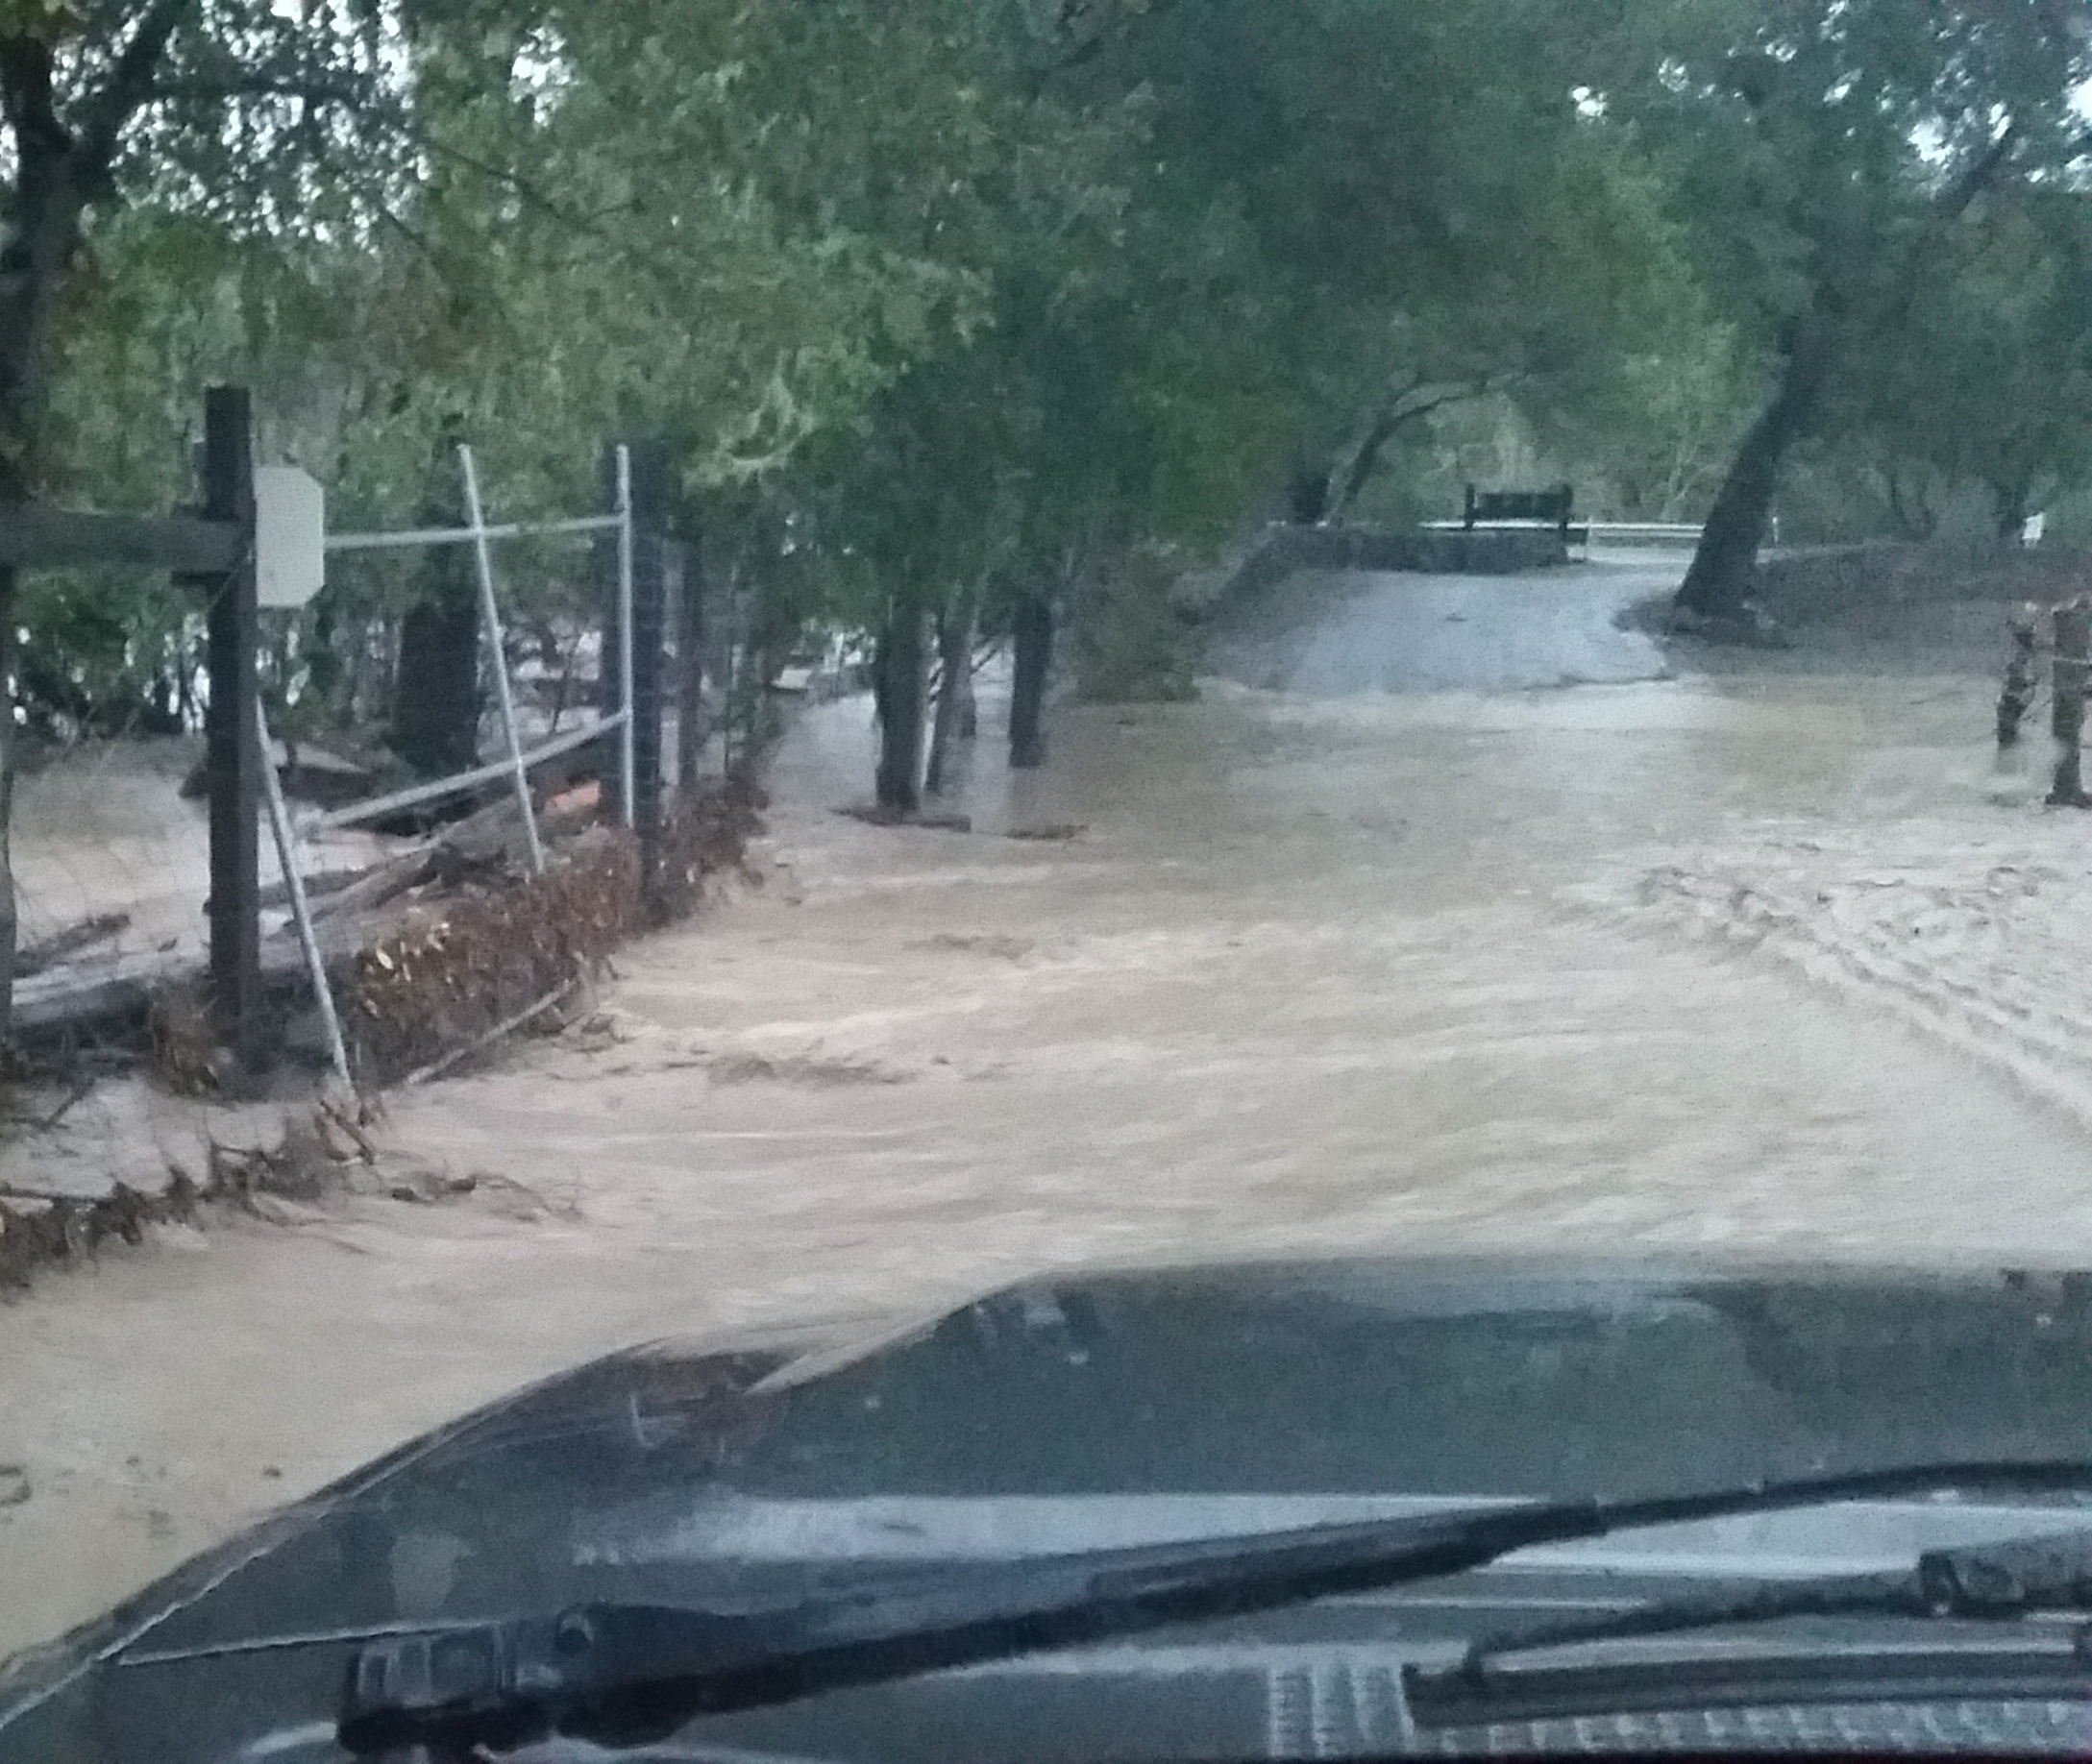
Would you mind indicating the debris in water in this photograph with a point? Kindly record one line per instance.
(930, 821)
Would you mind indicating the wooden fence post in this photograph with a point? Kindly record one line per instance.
(232, 731)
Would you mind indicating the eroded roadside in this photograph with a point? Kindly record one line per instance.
(1312, 975)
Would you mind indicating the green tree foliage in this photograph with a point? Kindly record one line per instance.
(1991, 383)
(1433, 216)
(1817, 151)
(1003, 308)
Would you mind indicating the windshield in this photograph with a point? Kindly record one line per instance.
(1375, 704)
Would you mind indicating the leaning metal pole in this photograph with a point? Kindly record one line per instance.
(490, 610)
(286, 860)
(627, 750)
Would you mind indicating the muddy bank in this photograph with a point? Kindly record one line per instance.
(438, 950)
(1882, 609)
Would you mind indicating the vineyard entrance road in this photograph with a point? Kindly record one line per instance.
(1390, 971)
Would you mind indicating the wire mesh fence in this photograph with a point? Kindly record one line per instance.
(112, 830)
(431, 912)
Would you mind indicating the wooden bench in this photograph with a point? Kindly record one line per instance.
(1526, 508)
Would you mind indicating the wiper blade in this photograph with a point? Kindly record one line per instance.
(628, 1675)
(1978, 1583)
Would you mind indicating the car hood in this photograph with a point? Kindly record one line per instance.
(1082, 1411)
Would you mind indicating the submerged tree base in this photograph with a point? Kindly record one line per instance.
(886, 815)
(1747, 627)
(1748, 623)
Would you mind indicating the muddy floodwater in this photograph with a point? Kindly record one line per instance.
(1768, 966)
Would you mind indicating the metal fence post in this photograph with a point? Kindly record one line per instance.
(232, 731)
(490, 614)
(610, 667)
(301, 913)
(627, 758)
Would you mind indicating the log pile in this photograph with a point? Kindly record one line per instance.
(479, 948)
(481, 954)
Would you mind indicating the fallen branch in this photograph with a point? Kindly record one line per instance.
(81, 1088)
(55, 949)
(331, 1112)
(507, 1026)
(377, 886)
(48, 1197)
(484, 836)
(319, 886)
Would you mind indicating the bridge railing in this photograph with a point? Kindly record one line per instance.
(1681, 533)
(1645, 532)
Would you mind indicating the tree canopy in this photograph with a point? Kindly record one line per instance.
(972, 302)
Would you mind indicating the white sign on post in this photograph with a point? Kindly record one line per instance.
(290, 536)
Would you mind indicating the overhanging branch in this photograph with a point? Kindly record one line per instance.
(1981, 175)
(513, 181)
(1394, 416)
(257, 86)
(129, 86)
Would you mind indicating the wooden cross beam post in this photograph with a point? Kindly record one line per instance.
(2073, 655)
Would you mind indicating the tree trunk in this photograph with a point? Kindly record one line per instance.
(900, 694)
(2066, 712)
(1033, 658)
(969, 703)
(1307, 494)
(2018, 697)
(435, 706)
(1914, 516)
(324, 671)
(1718, 586)
(436, 712)
(954, 691)
(7, 803)
(1364, 464)
(58, 172)
(2009, 510)
(40, 236)
(39, 241)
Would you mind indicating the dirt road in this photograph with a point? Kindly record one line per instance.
(1553, 970)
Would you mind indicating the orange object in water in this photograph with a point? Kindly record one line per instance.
(586, 795)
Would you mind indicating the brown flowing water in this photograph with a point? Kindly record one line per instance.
(1769, 965)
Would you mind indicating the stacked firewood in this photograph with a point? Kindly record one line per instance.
(475, 948)
(476, 962)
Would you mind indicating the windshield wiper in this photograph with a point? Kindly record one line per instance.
(628, 1675)
(1983, 1582)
